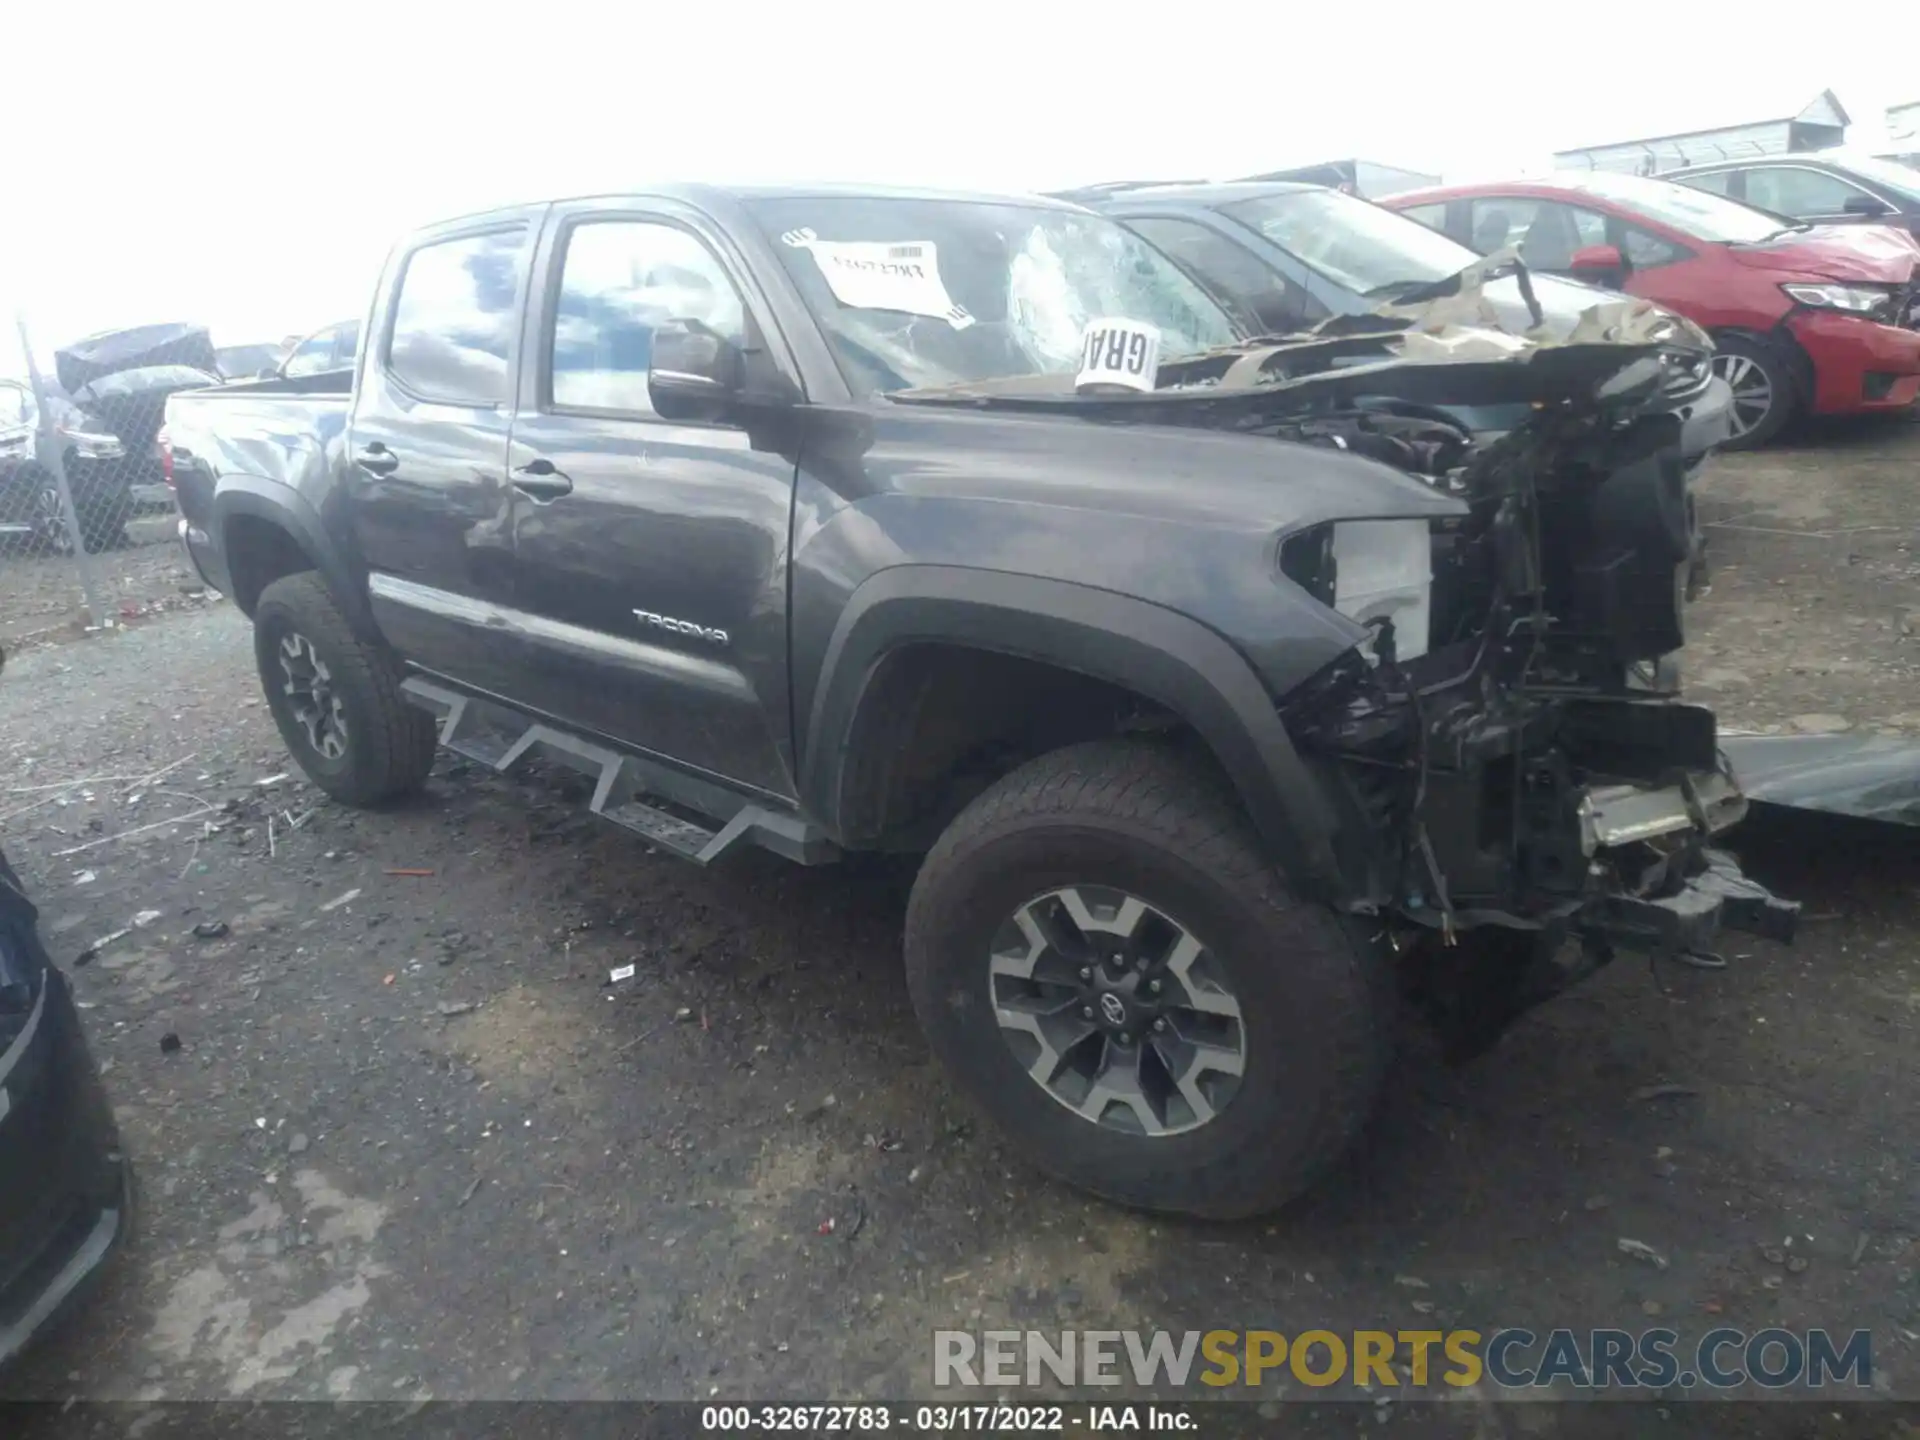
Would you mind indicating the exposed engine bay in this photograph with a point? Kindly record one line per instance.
(1507, 748)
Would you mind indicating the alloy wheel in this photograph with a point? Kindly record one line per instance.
(1752, 390)
(311, 696)
(1117, 1011)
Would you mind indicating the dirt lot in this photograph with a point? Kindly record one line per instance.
(413, 1142)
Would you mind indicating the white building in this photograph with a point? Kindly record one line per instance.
(1818, 125)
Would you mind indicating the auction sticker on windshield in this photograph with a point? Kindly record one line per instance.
(1121, 353)
(883, 275)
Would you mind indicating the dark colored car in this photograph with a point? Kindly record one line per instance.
(1283, 257)
(65, 1185)
(1806, 318)
(1824, 187)
(1223, 686)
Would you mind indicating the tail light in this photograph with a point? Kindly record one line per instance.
(165, 443)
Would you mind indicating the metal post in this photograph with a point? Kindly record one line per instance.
(47, 449)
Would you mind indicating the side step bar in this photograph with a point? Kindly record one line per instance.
(500, 738)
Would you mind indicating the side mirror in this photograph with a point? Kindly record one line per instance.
(695, 372)
(1865, 205)
(1597, 264)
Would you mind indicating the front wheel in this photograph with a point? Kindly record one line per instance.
(336, 698)
(1101, 954)
(1765, 395)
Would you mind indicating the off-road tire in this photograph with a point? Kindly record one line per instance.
(1777, 364)
(1319, 1005)
(389, 743)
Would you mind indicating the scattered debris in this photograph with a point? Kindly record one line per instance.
(1859, 1248)
(685, 1012)
(1772, 1282)
(1422, 1307)
(621, 972)
(826, 1226)
(169, 1043)
(1412, 1282)
(210, 930)
(410, 871)
(1661, 1092)
(451, 1008)
(1651, 1307)
(1640, 1250)
(84, 877)
(298, 1144)
(1596, 1202)
(1796, 1264)
(145, 918)
(273, 780)
(465, 1195)
(337, 902)
(388, 980)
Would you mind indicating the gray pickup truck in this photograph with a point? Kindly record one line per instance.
(1229, 689)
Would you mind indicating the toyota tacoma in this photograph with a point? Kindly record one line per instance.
(1231, 691)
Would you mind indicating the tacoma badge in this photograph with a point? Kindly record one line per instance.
(682, 627)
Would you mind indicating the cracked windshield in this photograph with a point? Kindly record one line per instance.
(919, 294)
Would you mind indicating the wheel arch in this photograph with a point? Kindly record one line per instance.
(1169, 662)
(268, 531)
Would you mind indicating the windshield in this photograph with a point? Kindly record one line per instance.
(929, 293)
(1351, 242)
(1698, 213)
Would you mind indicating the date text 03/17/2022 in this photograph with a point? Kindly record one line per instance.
(949, 1419)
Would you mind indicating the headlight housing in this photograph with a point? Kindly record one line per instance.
(1867, 300)
(90, 445)
(1370, 570)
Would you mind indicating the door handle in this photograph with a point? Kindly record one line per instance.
(541, 482)
(376, 459)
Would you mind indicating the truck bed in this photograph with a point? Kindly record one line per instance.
(280, 430)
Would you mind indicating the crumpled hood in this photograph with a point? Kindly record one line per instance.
(1870, 253)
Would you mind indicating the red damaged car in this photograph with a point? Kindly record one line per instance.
(1824, 319)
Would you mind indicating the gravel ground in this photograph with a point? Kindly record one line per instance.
(413, 1142)
(42, 601)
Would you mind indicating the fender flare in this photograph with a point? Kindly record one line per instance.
(283, 506)
(1168, 658)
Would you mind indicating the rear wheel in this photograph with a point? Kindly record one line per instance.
(1765, 392)
(335, 698)
(1102, 955)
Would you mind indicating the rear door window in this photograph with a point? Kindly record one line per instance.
(1718, 182)
(455, 317)
(1260, 298)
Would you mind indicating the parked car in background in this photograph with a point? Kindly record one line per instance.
(1220, 699)
(1829, 187)
(122, 378)
(1283, 257)
(248, 362)
(66, 1189)
(1805, 318)
(30, 516)
(335, 347)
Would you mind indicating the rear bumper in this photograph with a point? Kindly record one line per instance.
(1858, 364)
(65, 1186)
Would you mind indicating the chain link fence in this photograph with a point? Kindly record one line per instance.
(87, 516)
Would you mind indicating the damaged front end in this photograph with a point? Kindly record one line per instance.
(1521, 791)
(1520, 783)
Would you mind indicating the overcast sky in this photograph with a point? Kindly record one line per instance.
(247, 166)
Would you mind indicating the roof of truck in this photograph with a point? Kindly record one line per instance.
(704, 195)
